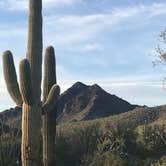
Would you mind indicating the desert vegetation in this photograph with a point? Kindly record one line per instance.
(97, 143)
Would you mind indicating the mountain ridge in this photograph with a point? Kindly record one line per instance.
(81, 102)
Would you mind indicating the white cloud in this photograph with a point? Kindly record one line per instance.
(23, 4)
(69, 29)
(53, 3)
(92, 47)
(77, 28)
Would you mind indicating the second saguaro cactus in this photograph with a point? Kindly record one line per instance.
(28, 94)
(49, 116)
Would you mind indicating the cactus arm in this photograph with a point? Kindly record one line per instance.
(11, 77)
(51, 99)
(49, 71)
(25, 82)
(35, 45)
(49, 126)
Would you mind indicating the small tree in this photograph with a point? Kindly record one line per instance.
(160, 51)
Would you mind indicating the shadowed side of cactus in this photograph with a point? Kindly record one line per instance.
(51, 93)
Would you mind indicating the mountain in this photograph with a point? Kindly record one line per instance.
(82, 102)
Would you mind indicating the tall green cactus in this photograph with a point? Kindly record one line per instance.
(28, 95)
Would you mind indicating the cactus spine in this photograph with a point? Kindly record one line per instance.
(28, 95)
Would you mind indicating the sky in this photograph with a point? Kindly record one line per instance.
(105, 42)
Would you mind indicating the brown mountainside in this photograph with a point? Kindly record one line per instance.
(81, 102)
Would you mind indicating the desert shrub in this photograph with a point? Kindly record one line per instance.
(161, 162)
(109, 159)
(114, 145)
(154, 137)
(9, 146)
(95, 144)
(75, 146)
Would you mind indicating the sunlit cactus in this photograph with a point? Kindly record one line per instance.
(28, 95)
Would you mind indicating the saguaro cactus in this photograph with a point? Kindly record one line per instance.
(49, 117)
(28, 95)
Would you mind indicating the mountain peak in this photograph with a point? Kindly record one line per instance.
(79, 85)
(96, 86)
(84, 102)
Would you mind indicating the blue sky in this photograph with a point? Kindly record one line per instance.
(107, 42)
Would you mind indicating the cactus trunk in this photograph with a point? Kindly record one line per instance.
(49, 126)
(31, 117)
(49, 133)
(31, 135)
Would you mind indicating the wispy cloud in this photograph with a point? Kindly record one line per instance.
(23, 4)
(84, 27)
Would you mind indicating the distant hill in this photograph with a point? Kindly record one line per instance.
(10, 120)
(11, 115)
(80, 102)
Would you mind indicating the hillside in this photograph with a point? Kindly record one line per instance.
(80, 102)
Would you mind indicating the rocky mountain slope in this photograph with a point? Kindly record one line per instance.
(81, 102)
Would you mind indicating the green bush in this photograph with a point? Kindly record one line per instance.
(9, 146)
(95, 144)
(76, 145)
(109, 159)
(154, 137)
